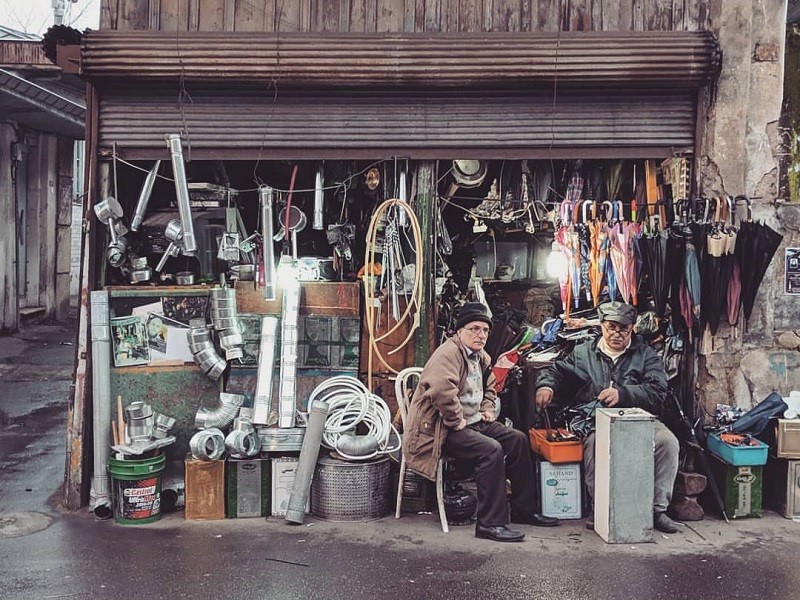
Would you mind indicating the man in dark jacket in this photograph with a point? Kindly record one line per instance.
(453, 412)
(618, 369)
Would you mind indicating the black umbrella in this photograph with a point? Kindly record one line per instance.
(674, 271)
(654, 260)
(714, 289)
(761, 243)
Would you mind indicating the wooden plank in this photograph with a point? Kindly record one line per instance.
(679, 15)
(64, 153)
(433, 15)
(526, 16)
(371, 15)
(316, 298)
(470, 15)
(358, 15)
(194, 15)
(549, 15)
(154, 15)
(329, 15)
(580, 15)
(33, 210)
(290, 15)
(9, 310)
(450, 16)
(658, 15)
(390, 15)
(133, 15)
(174, 15)
(229, 15)
(609, 15)
(48, 246)
(696, 15)
(410, 15)
(211, 15)
(506, 15)
(251, 16)
(637, 23)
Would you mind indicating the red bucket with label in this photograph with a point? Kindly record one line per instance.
(136, 489)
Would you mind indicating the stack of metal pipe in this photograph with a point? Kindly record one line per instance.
(226, 322)
(204, 352)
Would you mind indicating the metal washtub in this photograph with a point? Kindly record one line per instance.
(351, 491)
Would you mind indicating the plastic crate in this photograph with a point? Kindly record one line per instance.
(738, 455)
(555, 452)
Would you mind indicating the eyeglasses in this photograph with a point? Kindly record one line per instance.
(617, 328)
(478, 330)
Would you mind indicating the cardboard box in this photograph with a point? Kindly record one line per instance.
(738, 455)
(741, 488)
(205, 489)
(560, 486)
(247, 489)
(284, 469)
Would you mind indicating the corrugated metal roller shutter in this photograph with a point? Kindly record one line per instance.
(643, 59)
(250, 123)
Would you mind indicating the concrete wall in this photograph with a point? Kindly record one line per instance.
(740, 154)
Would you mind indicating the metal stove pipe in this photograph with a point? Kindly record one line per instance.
(222, 415)
(144, 197)
(296, 508)
(101, 401)
(267, 232)
(189, 243)
(319, 199)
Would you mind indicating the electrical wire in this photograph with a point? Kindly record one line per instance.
(369, 292)
(351, 405)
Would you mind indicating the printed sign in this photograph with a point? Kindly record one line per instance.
(793, 271)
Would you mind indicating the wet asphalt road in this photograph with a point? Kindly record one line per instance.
(46, 552)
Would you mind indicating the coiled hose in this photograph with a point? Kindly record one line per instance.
(352, 405)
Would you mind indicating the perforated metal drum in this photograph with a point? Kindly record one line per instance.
(351, 491)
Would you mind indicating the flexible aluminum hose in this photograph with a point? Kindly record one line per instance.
(350, 405)
(220, 416)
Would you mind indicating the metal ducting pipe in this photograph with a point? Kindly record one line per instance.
(101, 402)
(296, 509)
(144, 197)
(266, 364)
(319, 199)
(357, 445)
(208, 444)
(182, 193)
(267, 232)
(222, 415)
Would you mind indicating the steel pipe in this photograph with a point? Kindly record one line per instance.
(296, 508)
(319, 199)
(101, 401)
(268, 250)
(182, 193)
(144, 197)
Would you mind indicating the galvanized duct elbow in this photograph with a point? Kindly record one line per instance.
(357, 445)
(221, 416)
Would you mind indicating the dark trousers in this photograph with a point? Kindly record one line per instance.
(497, 452)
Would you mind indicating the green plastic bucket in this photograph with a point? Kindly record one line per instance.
(136, 489)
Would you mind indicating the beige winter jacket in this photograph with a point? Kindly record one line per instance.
(435, 407)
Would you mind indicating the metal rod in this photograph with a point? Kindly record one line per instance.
(182, 192)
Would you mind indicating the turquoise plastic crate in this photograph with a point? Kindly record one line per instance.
(738, 456)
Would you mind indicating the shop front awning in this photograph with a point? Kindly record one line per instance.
(640, 59)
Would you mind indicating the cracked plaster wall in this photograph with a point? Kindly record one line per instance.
(739, 154)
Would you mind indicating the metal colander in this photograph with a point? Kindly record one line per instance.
(351, 491)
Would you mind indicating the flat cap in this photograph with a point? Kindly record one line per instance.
(619, 312)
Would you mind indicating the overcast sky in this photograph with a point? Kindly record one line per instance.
(35, 16)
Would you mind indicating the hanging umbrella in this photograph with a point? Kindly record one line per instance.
(754, 266)
(734, 293)
(559, 250)
(674, 271)
(713, 293)
(654, 263)
(692, 294)
(621, 252)
(599, 238)
(574, 255)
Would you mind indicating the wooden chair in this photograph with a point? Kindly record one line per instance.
(404, 387)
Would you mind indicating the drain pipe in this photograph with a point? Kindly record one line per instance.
(101, 402)
(182, 194)
(296, 509)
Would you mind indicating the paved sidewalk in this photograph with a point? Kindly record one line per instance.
(47, 552)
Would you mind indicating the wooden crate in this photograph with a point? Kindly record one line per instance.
(205, 489)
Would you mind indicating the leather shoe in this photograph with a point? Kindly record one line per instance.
(664, 524)
(534, 519)
(500, 533)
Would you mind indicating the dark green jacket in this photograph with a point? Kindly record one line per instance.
(580, 376)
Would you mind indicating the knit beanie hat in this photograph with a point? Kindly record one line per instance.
(470, 312)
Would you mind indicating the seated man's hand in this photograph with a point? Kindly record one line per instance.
(488, 415)
(609, 396)
(543, 397)
(461, 425)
